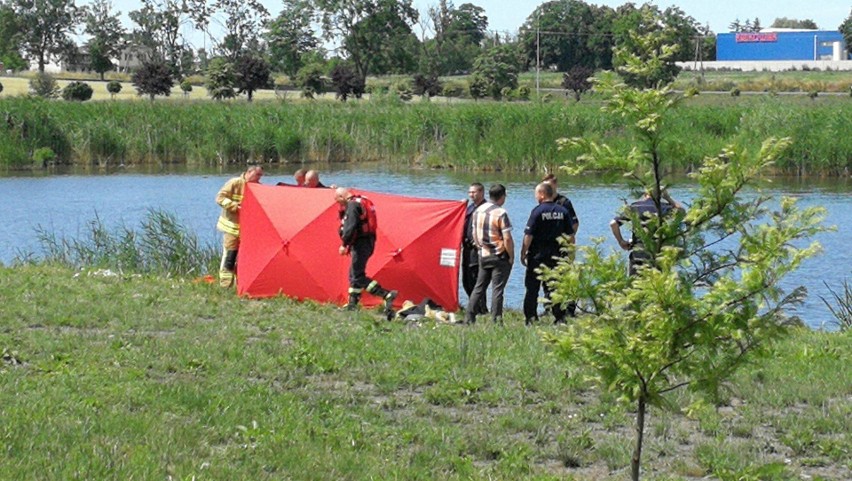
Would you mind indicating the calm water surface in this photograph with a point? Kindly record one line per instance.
(66, 203)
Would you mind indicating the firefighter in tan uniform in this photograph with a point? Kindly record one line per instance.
(230, 198)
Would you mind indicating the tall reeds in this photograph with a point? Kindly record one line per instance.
(480, 135)
(162, 245)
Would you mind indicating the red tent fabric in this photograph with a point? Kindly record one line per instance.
(289, 242)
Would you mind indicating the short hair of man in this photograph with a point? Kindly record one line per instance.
(546, 188)
(477, 186)
(497, 192)
(550, 179)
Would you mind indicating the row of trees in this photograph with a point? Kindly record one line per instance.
(373, 37)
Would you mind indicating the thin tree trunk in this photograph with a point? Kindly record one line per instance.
(640, 432)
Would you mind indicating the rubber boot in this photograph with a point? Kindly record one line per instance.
(227, 268)
(389, 296)
(354, 299)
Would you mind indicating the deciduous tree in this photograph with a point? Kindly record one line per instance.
(495, 70)
(10, 32)
(369, 30)
(697, 310)
(251, 72)
(577, 79)
(107, 35)
(46, 27)
(153, 78)
(243, 19)
(346, 82)
(784, 22)
(846, 29)
(290, 37)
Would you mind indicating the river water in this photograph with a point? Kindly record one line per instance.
(65, 203)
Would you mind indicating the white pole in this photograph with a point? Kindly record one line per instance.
(537, 55)
(815, 47)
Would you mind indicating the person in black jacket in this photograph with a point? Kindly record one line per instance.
(358, 225)
(470, 251)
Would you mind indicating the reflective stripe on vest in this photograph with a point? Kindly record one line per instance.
(227, 226)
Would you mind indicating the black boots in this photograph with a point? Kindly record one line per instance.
(389, 296)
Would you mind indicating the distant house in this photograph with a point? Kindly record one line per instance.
(781, 44)
(130, 59)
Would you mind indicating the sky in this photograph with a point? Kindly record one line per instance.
(509, 15)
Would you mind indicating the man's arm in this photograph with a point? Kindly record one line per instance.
(525, 246)
(615, 226)
(223, 198)
(351, 224)
(509, 244)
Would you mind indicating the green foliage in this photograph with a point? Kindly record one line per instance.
(153, 78)
(107, 34)
(45, 28)
(43, 156)
(77, 91)
(694, 313)
(581, 46)
(220, 79)
(186, 87)
(735, 92)
(846, 29)
(44, 85)
(493, 71)
(291, 38)
(841, 308)
(310, 80)
(162, 246)
(376, 34)
(647, 60)
(113, 87)
(1, 87)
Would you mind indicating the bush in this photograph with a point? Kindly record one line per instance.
(77, 91)
(1, 87)
(43, 156)
(813, 94)
(309, 79)
(113, 87)
(44, 85)
(453, 89)
(841, 309)
(735, 92)
(426, 85)
(186, 87)
(691, 91)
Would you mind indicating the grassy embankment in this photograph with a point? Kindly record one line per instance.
(143, 377)
(482, 135)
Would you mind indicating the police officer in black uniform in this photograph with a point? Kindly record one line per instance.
(358, 238)
(548, 223)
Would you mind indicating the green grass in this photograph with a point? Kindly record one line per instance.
(476, 136)
(150, 377)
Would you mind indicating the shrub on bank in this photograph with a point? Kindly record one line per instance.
(77, 92)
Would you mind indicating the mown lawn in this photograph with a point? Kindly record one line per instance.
(107, 376)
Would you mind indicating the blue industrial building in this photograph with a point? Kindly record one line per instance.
(781, 45)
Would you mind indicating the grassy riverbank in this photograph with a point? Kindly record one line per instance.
(122, 377)
(483, 135)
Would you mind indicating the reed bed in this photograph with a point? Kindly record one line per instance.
(161, 245)
(470, 135)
